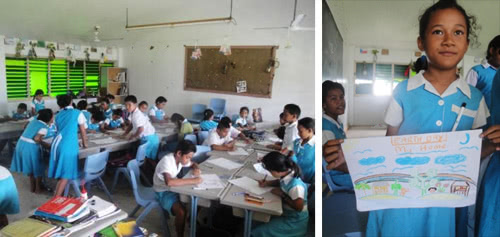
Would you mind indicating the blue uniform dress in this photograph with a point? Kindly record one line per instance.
(39, 105)
(9, 199)
(291, 222)
(207, 125)
(28, 155)
(64, 150)
(159, 114)
(87, 115)
(114, 123)
(108, 113)
(488, 201)
(94, 127)
(52, 131)
(335, 130)
(24, 115)
(304, 157)
(417, 108)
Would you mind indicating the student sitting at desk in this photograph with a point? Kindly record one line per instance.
(292, 190)
(280, 132)
(208, 122)
(9, 199)
(96, 122)
(218, 138)
(116, 121)
(242, 122)
(37, 103)
(156, 113)
(182, 124)
(291, 113)
(166, 176)
(303, 149)
(233, 132)
(21, 113)
(111, 98)
(143, 107)
(105, 108)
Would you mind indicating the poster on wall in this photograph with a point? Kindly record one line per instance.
(414, 171)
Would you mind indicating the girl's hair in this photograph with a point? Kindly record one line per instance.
(160, 100)
(22, 106)
(470, 20)
(420, 64)
(118, 112)
(307, 123)
(185, 147)
(143, 103)
(244, 108)
(328, 86)
(98, 116)
(45, 115)
(38, 92)
(177, 119)
(275, 161)
(82, 105)
(207, 114)
(64, 100)
(495, 45)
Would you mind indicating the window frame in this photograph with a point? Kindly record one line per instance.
(373, 76)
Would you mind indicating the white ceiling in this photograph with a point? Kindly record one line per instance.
(73, 21)
(394, 23)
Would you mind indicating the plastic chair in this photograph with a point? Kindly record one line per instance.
(201, 154)
(202, 135)
(197, 113)
(192, 138)
(219, 107)
(234, 118)
(331, 186)
(144, 196)
(139, 157)
(95, 166)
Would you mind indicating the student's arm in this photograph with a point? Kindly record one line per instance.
(269, 183)
(169, 181)
(392, 131)
(297, 204)
(196, 169)
(154, 119)
(127, 130)
(224, 147)
(84, 135)
(274, 146)
(491, 141)
(39, 139)
(33, 111)
(137, 133)
(242, 136)
(334, 156)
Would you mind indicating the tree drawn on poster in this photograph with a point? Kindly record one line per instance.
(425, 181)
(396, 186)
(362, 186)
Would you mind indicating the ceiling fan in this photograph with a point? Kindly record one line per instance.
(96, 35)
(294, 25)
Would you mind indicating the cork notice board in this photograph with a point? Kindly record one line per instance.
(217, 73)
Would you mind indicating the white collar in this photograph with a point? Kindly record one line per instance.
(419, 80)
(155, 108)
(42, 122)
(68, 107)
(485, 64)
(37, 102)
(294, 124)
(185, 120)
(288, 177)
(338, 124)
(311, 141)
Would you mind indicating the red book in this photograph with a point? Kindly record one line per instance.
(62, 206)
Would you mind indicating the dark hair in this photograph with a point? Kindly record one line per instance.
(185, 147)
(45, 115)
(207, 114)
(225, 119)
(275, 161)
(160, 100)
(281, 115)
(22, 106)
(177, 119)
(64, 100)
(105, 100)
(495, 45)
(37, 92)
(307, 123)
(143, 103)
(223, 125)
(98, 115)
(470, 20)
(420, 64)
(82, 105)
(328, 86)
(118, 112)
(244, 108)
(131, 98)
(110, 97)
(293, 109)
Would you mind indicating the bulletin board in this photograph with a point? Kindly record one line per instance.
(217, 73)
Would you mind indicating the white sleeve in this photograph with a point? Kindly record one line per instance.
(81, 119)
(152, 112)
(297, 192)
(121, 120)
(472, 77)
(140, 121)
(107, 121)
(482, 114)
(234, 132)
(327, 136)
(239, 120)
(394, 114)
(32, 104)
(43, 131)
(213, 140)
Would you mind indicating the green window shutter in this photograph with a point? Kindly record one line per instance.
(76, 76)
(38, 69)
(92, 77)
(16, 78)
(58, 77)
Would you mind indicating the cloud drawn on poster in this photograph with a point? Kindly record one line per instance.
(413, 160)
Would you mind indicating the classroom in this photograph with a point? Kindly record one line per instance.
(184, 115)
(377, 57)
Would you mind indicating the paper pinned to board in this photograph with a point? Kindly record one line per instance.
(224, 163)
(250, 185)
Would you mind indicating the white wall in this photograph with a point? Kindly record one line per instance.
(161, 71)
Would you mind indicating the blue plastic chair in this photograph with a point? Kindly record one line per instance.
(202, 135)
(95, 166)
(219, 107)
(197, 113)
(331, 186)
(201, 154)
(139, 157)
(234, 118)
(192, 138)
(144, 196)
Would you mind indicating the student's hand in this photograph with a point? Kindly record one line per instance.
(277, 192)
(492, 135)
(332, 151)
(248, 140)
(197, 180)
(262, 183)
(284, 151)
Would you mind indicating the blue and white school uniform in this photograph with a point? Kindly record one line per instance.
(94, 126)
(417, 108)
(159, 114)
(64, 150)
(87, 115)
(27, 157)
(304, 157)
(108, 113)
(19, 116)
(9, 199)
(51, 131)
(241, 122)
(38, 105)
(112, 123)
(207, 125)
(487, 205)
(481, 77)
(332, 130)
(138, 120)
(291, 222)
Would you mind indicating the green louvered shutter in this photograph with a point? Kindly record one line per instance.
(58, 77)
(17, 86)
(76, 76)
(38, 69)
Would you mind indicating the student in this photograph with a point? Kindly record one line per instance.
(291, 113)
(21, 112)
(233, 132)
(208, 122)
(116, 121)
(218, 138)
(182, 124)
(64, 150)
(242, 122)
(143, 107)
(37, 103)
(333, 129)
(27, 157)
(293, 193)
(96, 122)
(105, 108)
(165, 176)
(280, 132)
(9, 198)
(303, 149)
(82, 106)
(111, 98)
(142, 128)
(156, 114)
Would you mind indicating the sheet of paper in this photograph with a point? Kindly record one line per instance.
(250, 185)
(425, 170)
(240, 143)
(104, 141)
(260, 169)
(265, 143)
(238, 152)
(224, 163)
(273, 139)
(210, 181)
